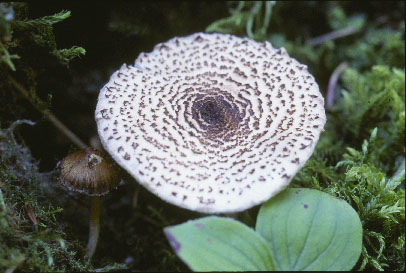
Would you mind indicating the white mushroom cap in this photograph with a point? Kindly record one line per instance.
(211, 122)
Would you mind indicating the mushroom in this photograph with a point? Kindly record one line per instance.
(89, 171)
(211, 122)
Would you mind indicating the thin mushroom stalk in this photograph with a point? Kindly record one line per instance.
(91, 172)
(94, 226)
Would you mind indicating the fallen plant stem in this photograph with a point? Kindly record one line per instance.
(332, 35)
(54, 120)
(333, 82)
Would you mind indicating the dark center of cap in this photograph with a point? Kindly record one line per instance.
(217, 116)
(211, 113)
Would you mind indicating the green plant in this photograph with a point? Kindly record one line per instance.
(299, 229)
(253, 17)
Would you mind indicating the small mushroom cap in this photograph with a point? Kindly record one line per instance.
(211, 122)
(88, 171)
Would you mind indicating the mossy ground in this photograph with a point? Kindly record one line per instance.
(63, 53)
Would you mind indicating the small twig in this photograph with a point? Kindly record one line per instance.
(56, 122)
(332, 35)
(333, 82)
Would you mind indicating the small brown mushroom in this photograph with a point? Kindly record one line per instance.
(211, 122)
(89, 171)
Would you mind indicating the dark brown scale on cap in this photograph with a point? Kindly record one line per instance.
(88, 171)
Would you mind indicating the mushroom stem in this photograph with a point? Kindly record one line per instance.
(56, 122)
(94, 226)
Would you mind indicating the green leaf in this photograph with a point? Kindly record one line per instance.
(310, 230)
(219, 244)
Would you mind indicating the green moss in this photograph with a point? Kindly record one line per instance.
(28, 245)
(66, 55)
(40, 33)
(375, 98)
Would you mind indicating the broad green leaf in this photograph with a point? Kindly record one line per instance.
(219, 244)
(310, 230)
